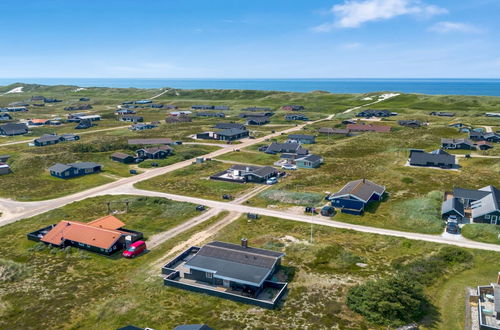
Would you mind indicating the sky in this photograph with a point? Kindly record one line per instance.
(250, 39)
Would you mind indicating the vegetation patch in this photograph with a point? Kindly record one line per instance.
(482, 232)
(335, 257)
(11, 271)
(292, 197)
(399, 299)
(422, 213)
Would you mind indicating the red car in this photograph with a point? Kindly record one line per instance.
(135, 249)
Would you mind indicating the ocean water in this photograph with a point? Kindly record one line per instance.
(489, 87)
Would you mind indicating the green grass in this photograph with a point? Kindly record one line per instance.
(194, 181)
(270, 196)
(258, 158)
(482, 232)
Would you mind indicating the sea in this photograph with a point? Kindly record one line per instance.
(490, 87)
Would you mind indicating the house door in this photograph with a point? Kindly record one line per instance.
(493, 219)
(225, 283)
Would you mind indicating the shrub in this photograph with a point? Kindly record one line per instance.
(393, 301)
(11, 271)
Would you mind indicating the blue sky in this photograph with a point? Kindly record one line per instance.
(250, 39)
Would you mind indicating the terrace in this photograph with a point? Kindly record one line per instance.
(177, 275)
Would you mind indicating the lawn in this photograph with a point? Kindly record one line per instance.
(194, 181)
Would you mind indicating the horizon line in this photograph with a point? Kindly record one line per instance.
(255, 78)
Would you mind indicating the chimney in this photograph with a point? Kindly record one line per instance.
(498, 278)
(364, 180)
(247, 169)
(244, 242)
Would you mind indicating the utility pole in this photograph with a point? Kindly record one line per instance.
(311, 240)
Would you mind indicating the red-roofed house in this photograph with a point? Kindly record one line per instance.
(105, 235)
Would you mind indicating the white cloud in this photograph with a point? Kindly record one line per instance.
(354, 13)
(352, 45)
(447, 27)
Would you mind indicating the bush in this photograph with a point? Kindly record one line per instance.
(11, 271)
(394, 301)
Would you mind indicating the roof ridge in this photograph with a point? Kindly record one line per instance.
(229, 249)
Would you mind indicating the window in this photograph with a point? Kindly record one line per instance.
(487, 216)
(209, 275)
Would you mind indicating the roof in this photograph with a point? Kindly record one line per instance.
(234, 262)
(232, 132)
(107, 222)
(258, 119)
(488, 204)
(120, 155)
(311, 158)
(193, 327)
(283, 147)
(369, 128)
(84, 165)
(457, 141)
(470, 194)
(12, 128)
(3, 165)
(333, 130)
(420, 157)
(301, 137)
(48, 137)
(84, 233)
(58, 167)
(453, 204)
(150, 141)
(361, 189)
(154, 150)
(229, 125)
(39, 121)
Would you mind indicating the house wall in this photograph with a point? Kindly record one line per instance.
(488, 218)
(4, 170)
(348, 203)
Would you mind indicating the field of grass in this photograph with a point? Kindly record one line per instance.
(194, 181)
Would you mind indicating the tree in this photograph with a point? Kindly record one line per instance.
(395, 301)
